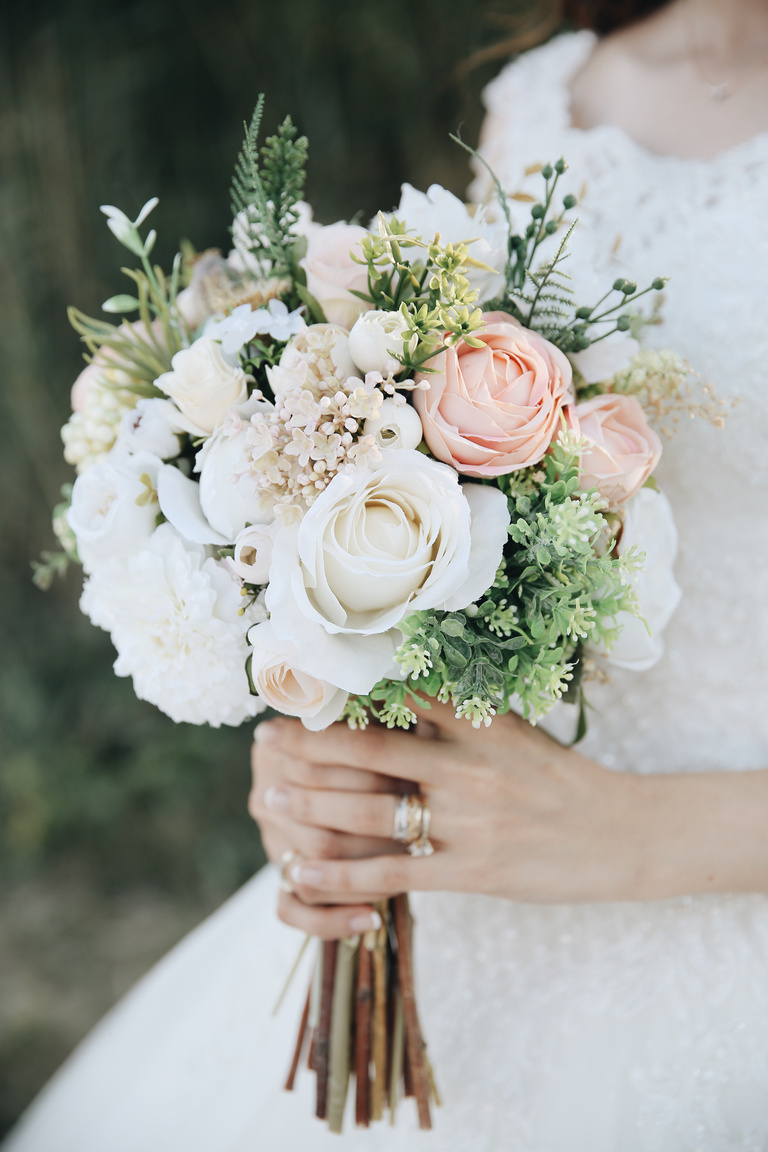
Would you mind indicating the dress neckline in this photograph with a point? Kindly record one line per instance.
(581, 45)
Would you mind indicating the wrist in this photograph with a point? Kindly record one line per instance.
(703, 832)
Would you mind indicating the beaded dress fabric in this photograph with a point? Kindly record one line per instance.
(574, 1028)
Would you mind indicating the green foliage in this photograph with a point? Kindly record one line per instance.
(266, 187)
(431, 292)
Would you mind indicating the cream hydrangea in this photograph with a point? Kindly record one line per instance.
(172, 612)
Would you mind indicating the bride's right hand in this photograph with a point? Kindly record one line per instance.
(281, 834)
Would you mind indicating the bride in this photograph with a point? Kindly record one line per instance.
(593, 926)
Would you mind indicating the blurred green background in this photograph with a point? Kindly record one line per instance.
(119, 829)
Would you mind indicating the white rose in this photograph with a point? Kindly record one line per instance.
(396, 426)
(283, 685)
(332, 274)
(229, 493)
(172, 612)
(317, 353)
(438, 210)
(114, 507)
(203, 385)
(151, 427)
(603, 360)
(376, 545)
(253, 553)
(648, 523)
(376, 340)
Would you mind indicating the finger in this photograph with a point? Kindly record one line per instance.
(327, 923)
(349, 879)
(336, 777)
(361, 814)
(384, 751)
(322, 843)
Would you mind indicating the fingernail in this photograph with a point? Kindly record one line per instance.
(365, 922)
(276, 799)
(266, 733)
(303, 874)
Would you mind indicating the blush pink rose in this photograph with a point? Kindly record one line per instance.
(332, 274)
(623, 449)
(489, 411)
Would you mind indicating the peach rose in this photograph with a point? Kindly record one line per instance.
(332, 274)
(492, 410)
(623, 450)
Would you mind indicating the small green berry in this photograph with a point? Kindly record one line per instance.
(582, 342)
(530, 230)
(629, 288)
(658, 284)
(537, 211)
(550, 227)
(569, 202)
(623, 323)
(560, 167)
(547, 171)
(583, 313)
(618, 285)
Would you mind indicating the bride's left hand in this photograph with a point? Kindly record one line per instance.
(514, 814)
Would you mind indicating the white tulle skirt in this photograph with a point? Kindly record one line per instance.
(613, 1028)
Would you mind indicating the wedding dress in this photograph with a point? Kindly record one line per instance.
(633, 1027)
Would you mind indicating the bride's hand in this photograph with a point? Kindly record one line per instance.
(277, 774)
(514, 814)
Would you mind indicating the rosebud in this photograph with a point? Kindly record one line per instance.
(396, 426)
(376, 340)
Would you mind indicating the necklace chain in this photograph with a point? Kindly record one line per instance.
(719, 90)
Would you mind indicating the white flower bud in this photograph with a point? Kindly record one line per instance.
(396, 426)
(376, 340)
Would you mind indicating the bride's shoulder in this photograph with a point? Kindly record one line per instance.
(539, 73)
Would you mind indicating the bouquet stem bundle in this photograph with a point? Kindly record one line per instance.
(360, 1020)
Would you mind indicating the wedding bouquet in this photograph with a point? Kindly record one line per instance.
(342, 471)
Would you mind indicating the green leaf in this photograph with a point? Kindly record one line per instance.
(313, 306)
(451, 626)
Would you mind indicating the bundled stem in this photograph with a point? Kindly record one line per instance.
(361, 1014)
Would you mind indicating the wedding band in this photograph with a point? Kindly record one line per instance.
(286, 860)
(423, 846)
(409, 819)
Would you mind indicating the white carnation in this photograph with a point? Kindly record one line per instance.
(172, 612)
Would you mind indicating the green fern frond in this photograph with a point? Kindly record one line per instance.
(266, 186)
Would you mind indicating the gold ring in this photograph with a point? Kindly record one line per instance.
(408, 819)
(286, 860)
(423, 846)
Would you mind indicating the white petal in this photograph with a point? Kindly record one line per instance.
(488, 535)
(179, 500)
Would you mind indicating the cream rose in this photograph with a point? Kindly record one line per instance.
(230, 496)
(332, 274)
(203, 385)
(376, 545)
(489, 411)
(623, 449)
(376, 341)
(282, 684)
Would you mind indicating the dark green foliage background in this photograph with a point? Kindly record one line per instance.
(109, 101)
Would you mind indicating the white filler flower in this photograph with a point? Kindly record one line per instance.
(379, 543)
(172, 612)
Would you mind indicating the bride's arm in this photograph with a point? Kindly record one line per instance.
(514, 815)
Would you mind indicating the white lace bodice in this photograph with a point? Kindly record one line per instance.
(703, 224)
